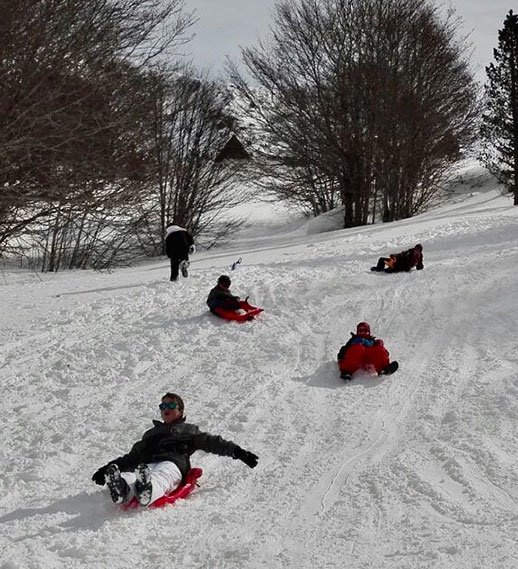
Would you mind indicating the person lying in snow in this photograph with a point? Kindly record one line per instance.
(404, 261)
(160, 461)
(364, 351)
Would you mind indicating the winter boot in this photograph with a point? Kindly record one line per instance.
(116, 484)
(390, 369)
(184, 265)
(346, 376)
(143, 486)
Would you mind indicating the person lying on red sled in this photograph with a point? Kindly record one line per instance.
(223, 303)
(364, 351)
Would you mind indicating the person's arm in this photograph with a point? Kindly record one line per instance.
(126, 463)
(189, 243)
(168, 247)
(213, 444)
(347, 345)
(218, 445)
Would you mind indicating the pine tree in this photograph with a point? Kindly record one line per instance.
(500, 120)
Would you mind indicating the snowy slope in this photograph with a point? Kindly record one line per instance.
(416, 470)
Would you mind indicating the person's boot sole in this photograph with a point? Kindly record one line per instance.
(117, 486)
(143, 486)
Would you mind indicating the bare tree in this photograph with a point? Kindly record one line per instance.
(191, 188)
(70, 93)
(368, 98)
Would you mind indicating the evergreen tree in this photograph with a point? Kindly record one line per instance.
(500, 120)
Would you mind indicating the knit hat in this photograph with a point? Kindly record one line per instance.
(418, 247)
(224, 281)
(363, 329)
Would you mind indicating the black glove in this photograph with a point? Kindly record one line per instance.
(98, 477)
(249, 458)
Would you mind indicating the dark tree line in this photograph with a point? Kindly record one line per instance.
(105, 138)
(500, 121)
(71, 93)
(363, 102)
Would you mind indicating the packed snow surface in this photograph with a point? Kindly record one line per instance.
(417, 470)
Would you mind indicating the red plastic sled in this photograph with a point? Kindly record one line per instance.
(250, 312)
(178, 494)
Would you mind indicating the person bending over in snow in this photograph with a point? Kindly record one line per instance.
(404, 261)
(179, 244)
(159, 462)
(364, 351)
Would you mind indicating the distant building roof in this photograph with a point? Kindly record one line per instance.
(233, 150)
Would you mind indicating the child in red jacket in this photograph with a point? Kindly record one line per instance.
(364, 351)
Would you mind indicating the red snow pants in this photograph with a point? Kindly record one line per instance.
(359, 356)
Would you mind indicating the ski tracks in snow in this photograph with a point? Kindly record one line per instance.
(413, 470)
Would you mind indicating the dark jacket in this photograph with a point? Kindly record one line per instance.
(175, 442)
(220, 297)
(355, 339)
(407, 260)
(178, 242)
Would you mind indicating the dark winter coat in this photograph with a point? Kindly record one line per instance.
(220, 297)
(175, 442)
(406, 260)
(368, 341)
(178, 242)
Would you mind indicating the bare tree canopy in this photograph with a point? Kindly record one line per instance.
(367, 101)
(191, 187)
(73, 102)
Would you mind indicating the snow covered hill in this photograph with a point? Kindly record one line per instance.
(416, 470)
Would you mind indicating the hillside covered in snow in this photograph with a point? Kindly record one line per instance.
(415, 470)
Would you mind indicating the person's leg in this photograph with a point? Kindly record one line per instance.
(130, 478)
(184, 266)
(118, 486)
(175, 265)
(381, 264)
(164, 477)
(353, 359)
(230, 304)
(377, 356)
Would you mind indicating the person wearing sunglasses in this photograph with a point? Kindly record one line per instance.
(160, 461)
(366, 352)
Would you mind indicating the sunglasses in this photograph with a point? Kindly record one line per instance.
(164, 406)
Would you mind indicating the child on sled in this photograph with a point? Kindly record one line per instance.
(158, 463)
(364, 351)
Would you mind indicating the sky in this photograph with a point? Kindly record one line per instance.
(225, 25)
(416, 470)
